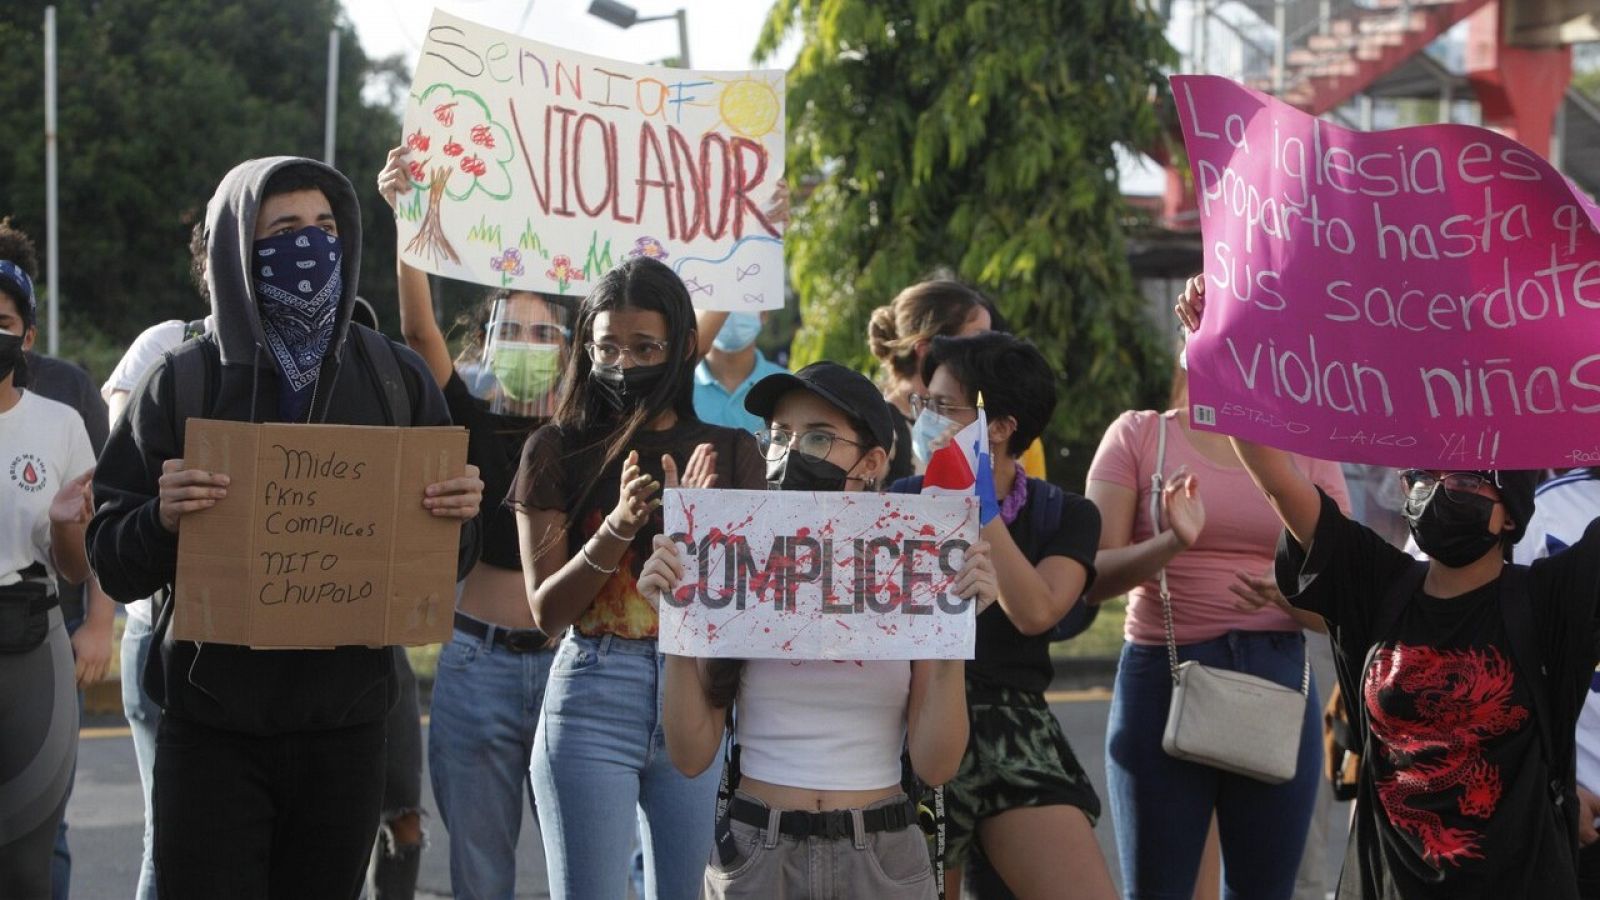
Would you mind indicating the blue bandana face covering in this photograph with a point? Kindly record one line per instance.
(298, 287)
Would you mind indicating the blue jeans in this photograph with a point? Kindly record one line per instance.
(600, 755)
(144, 717)
(1162, 806)
(486, 702)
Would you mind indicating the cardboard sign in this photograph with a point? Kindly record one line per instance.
(322, 540)
(836, 575)
(1421, 297)
(539, 168)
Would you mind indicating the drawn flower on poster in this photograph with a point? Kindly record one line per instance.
(648, 246)
(475, 151)
(508, 264)
(563, 272)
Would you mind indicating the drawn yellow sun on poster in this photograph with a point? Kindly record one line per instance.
(749, 107)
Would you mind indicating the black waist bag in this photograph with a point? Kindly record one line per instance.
(24, 615)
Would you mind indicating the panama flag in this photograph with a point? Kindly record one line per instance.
(963, 466)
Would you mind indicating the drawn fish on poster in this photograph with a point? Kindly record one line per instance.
(539, 168)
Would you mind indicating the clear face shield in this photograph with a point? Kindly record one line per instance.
(524, 354)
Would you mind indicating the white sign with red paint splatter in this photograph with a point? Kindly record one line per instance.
(836, 575)
(538, 168)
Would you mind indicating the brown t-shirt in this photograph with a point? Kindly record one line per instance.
(549, 479)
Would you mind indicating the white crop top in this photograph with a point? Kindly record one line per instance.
(822, 724)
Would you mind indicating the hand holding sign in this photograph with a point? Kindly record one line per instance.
(457, 498)
(662, 571)
(184, 491)
(976, 580)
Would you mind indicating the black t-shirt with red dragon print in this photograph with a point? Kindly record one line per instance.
(1454, 799)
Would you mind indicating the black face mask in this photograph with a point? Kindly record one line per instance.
(625, 389)
(1454, 532)
(796, 471)
(10, 353)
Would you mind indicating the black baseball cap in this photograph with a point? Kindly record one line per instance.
(849, 390)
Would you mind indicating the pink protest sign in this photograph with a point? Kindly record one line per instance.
(799, 575)
(1423, 297)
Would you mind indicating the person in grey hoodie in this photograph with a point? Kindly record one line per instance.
(269, 763)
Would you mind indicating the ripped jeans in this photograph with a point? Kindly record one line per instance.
(392, 872)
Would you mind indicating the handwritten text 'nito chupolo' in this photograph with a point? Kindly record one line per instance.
(309, 576)
(885, 575)
(1289, 208)
(705, 189)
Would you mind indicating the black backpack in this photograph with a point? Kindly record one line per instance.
(195, 375)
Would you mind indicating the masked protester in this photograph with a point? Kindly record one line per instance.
(587, 507)
(45, 466)
(490, 682)
(269, 771)
(1470, 673)
(731, 368)
(1020, 793)
(820, 741)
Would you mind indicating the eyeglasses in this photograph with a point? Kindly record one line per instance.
(1458, 486)
(532, 332)
(939, 405)
(775, 442)
(642, 353)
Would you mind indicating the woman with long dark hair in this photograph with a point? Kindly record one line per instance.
(820, 740)
(491, 676)
(587, 508)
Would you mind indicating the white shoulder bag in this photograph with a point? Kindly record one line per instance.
(1220, 718)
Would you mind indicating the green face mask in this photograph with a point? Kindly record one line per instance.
(525, 371)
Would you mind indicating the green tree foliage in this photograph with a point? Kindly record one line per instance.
(977, 135)
(158, 99)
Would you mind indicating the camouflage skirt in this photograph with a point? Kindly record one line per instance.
(1016, 757)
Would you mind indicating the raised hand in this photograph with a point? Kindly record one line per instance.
(1191, 305)
(393, 179)
(74, 503)
(701, 471)
(662, 571)
(1182, 508)
(636, 500)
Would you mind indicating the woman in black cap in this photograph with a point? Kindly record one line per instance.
(820, 740)
(1470, 673)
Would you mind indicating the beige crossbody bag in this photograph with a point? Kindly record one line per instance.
(1220, 718)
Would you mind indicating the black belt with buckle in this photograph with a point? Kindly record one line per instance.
(517, 640)
(832, 825)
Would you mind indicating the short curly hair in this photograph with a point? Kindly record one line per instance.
(16, 246)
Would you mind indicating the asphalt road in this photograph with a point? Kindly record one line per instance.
(106, 815)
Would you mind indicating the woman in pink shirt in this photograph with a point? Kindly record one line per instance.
(1226, 614)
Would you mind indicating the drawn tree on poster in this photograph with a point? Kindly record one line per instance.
(461, 150)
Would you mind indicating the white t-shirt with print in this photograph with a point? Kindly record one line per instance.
(142, 356)
(43, 445)
(1563, 508)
